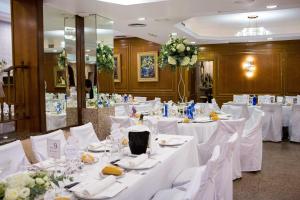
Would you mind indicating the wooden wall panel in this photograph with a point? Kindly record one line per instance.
(128, 48)
(50, 62)
(27, 32)
(277, 64)
(292, 71)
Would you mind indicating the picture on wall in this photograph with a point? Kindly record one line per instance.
(60, 77)
(117, 68)
(147, 66)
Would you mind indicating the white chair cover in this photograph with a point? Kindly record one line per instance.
(12, 159)
(243, 99)
(230, 127)
(272, 122)
(85, 135)
(124, 122)
(39, 144)
(290, 99)
(167, 126)
(140, 99)
(122, 109)
(215, 105)
(238, 111)
(251, 143)
(279, 99)
(298, 99)
(224, 185)
(157, 99)
(294, 124)
(196, 183)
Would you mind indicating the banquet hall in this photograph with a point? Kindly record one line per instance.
(150, 99)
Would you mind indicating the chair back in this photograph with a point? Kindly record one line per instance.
(215, 104)
(239, 111)
(243, 99)
(294, 125)
(298, 99)
(121, 109)
(254, 121)
(85, 135)
(205, 188)
(140, 99)
(279, 99)
(123, 121)
(13, 159)
(272, 122)
(167, 126)
(39, 144)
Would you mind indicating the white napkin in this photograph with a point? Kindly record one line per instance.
(91, 188)
(138, 160)
(95, 145)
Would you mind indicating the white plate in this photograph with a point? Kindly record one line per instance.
(147, 164)
(171, 142)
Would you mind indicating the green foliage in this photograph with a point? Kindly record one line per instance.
(177, 53)
(62, 59)
(2, 190)
(104, 58)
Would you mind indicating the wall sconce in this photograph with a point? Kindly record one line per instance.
(249, 67)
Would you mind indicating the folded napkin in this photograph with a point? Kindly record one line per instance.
(138, 160)
(91, 188)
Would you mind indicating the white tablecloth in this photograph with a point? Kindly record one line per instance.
(144, 186)
(201, 131)
(55, 121)
(286, 112)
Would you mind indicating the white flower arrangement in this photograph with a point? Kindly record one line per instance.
(105, 58)
(178, 53)
(29, 185)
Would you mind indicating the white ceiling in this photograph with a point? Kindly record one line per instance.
(207, 21)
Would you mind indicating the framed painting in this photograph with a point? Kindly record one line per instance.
(117, 68)
(147, 66)
(60, 79)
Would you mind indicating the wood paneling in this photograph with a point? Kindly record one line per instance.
(166, 87)
(27, 32)
(50, 62)
(277, 68)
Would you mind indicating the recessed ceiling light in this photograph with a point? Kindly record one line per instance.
(193, 42)
(130, 2)
(271, 6)
(141, 18)
(174, 34)
(269, 38)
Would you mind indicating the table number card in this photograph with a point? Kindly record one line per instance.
(53, 148)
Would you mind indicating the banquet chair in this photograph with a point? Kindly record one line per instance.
(272, 122)
(294, 124)
(13, 159)
(215, 105)
(140, 99)
(238, 111)
(200, 186)
(167, 126)
(298, 99)
(39, 144)
(121, 109)
(85, 135)
(251, 143)
(290, 99)
(230, 127)
(279, 99)
(124, 122)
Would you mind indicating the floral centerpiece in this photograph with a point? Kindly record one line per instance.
(105, 58)
(28, 185)
(62, 59)
(178, 53)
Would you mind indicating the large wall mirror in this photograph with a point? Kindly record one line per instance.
(7, 124)
(60, 69)
(98, 53)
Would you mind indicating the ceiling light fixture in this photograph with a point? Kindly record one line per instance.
(174, 34)
(253, 29)
(141, 18)
(271, 6)
(130, 2)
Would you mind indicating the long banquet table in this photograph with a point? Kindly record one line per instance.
(143, 184)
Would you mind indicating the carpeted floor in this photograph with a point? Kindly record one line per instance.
(279, 178)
